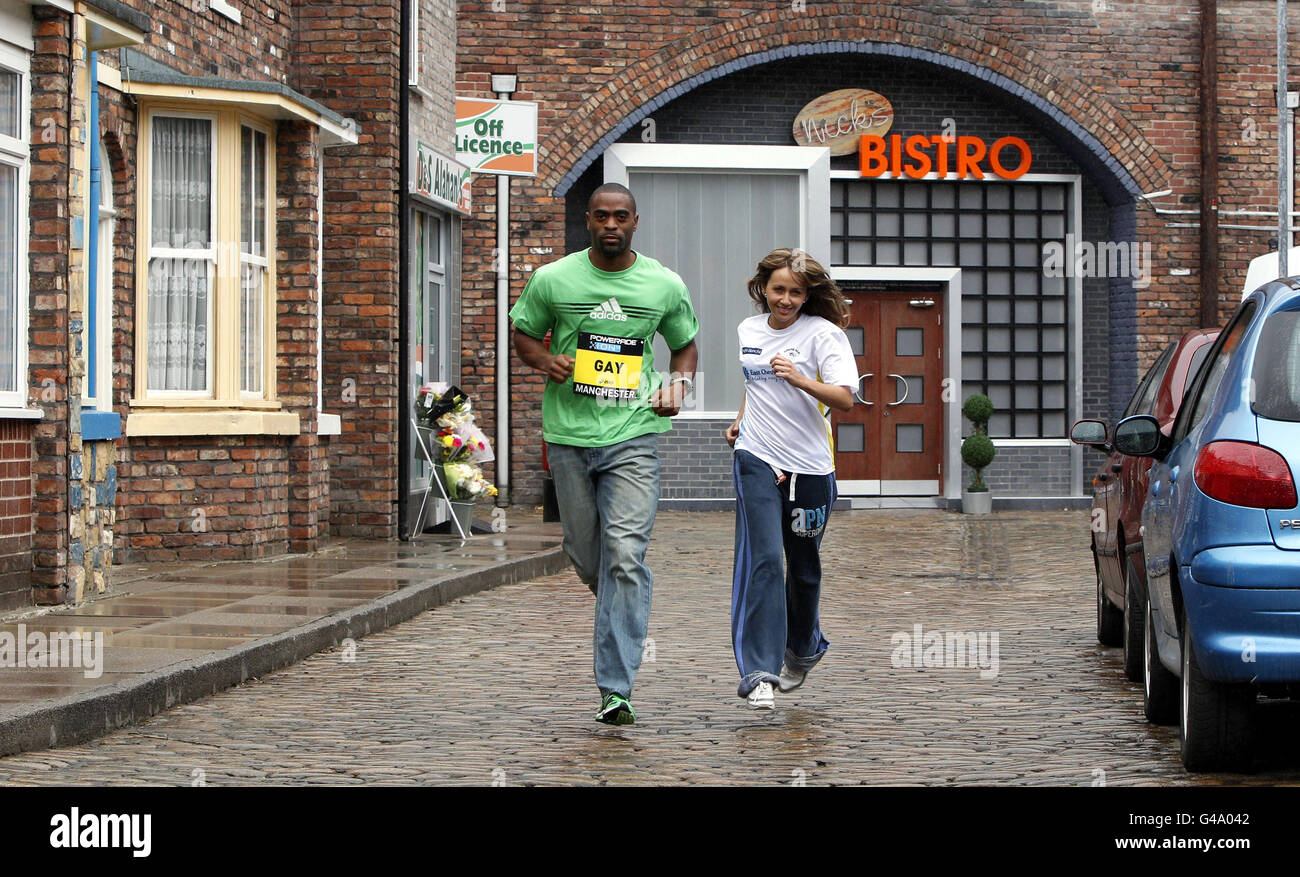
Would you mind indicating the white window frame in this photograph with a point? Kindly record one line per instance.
(1074, 307)
(413, 74)
(264, 261)
(100, 396)
(811, 165)
(224, 8)
(15, 152)
(223, 365)
(151, 252)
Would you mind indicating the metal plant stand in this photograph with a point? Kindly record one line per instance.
(423, 436)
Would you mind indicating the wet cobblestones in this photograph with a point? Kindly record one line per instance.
(496, 688)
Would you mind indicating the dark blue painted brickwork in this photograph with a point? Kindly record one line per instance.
(1027, 472)
(695, 461)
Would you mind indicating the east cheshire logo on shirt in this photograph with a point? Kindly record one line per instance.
(608, 310)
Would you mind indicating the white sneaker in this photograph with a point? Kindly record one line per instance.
(791, 679)
(761, 698)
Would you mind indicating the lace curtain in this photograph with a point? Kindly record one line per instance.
(252, 257)
(179, 286)
(10, 102)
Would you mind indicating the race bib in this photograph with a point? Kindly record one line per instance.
(607, 367)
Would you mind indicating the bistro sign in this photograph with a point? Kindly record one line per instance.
(838, 119)
(961, 157)
(441, 179)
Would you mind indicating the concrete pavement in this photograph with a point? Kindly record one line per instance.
(170, 633)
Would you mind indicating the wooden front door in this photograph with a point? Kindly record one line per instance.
(891, 442)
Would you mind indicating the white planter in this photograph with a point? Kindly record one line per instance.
(977, 502)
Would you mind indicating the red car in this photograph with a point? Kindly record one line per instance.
(1120, 488)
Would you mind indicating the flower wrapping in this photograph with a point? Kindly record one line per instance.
(458, 443)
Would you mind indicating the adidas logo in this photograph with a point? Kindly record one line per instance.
(608, 310)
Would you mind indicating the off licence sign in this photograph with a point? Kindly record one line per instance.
(497, 136)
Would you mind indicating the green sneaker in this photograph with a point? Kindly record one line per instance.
(615, 710)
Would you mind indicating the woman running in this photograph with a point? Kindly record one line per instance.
(797, 364)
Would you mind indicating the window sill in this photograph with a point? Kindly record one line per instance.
(329, 424)
(156, 423)
(21, 413)
(100, 425)
(209, 404)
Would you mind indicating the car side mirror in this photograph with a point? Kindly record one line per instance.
(1139, 436)
(1091, 433)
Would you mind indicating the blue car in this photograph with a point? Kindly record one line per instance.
(1221, 535)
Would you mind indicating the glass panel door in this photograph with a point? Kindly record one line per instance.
(429, 330)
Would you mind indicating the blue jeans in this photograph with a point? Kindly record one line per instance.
(774, 614)
(607, 498)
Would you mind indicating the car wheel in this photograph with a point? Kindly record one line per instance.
(1159, 686)
(1133, 624)
(1216, 726)
(1110, 619)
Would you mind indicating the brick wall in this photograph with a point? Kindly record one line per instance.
(298, 157)
(48, 301)
(347, 57)
(695, 461)
(1114, 84)
(17, 522)
(91, 518)
(433, 105)
(204, 498)
(1027, 472)
(196, 40)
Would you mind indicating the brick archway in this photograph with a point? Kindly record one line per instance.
(1105, 143)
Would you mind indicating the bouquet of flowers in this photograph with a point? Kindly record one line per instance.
(460, 445)
(465, 482)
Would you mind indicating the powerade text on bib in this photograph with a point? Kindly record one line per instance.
(607, 367)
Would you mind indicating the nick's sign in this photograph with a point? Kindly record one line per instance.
(837, 119)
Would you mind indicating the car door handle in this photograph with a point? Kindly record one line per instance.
(1173, 475)
(1155, 488)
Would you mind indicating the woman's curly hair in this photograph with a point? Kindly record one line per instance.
(824, 297)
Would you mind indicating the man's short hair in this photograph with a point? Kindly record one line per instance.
(612, 187)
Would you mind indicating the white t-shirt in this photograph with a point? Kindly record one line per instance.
(784, 426)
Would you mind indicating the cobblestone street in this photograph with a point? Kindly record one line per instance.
(496, 688)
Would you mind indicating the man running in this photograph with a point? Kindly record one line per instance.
(602, 411)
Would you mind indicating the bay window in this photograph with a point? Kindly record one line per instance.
(207, 304)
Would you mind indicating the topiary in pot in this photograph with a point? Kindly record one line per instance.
(977, 449)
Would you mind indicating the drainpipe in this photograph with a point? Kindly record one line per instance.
(405, 402)
(1209, 106)
(1284, 196)
(91, 237)
(504, 85)
(503, 340)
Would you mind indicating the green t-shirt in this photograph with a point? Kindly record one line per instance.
(605, 320)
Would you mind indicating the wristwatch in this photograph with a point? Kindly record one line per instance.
(682, 379)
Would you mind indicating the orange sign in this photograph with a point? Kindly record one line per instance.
(837, 119)
(918, 156)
